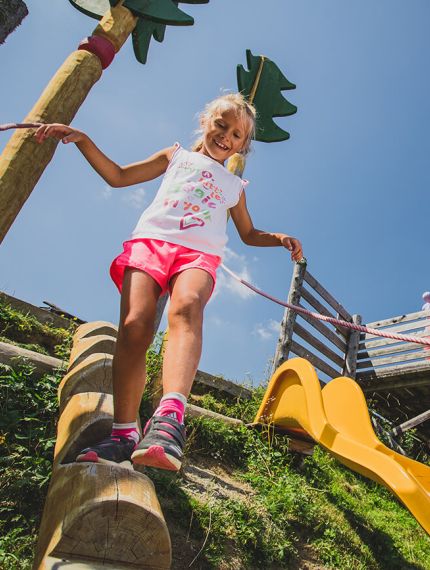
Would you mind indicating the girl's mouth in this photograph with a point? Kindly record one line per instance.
(221, 145)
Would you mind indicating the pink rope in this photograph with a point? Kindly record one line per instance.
(7, 126)
(332, 320)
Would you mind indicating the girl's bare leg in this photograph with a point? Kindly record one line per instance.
(138, 308)
(190, 291)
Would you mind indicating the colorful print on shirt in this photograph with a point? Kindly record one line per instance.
(190, 207)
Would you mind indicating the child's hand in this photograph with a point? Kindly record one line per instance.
(293, 245)
(59, 131)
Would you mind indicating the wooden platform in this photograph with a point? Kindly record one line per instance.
(395, 375)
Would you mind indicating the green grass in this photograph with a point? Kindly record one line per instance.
(296, 507)
(26, 331)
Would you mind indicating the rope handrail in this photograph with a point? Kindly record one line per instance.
(331, 320)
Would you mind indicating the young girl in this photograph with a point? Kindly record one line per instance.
(176, 246)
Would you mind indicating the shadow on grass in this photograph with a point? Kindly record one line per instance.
(379, 542)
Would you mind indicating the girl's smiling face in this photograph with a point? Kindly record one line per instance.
(225, 133)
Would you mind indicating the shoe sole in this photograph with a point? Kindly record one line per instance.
(155, 456)
(92, 457)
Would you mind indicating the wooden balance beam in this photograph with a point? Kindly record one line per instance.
(96, 515)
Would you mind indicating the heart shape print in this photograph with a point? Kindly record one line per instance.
(190, 221)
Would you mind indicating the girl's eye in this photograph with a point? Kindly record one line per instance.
(219, 124)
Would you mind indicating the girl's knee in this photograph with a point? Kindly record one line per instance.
(187, 306)
(136, 331)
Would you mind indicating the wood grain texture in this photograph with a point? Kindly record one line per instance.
(400, 319)
(93, 374)
(100, 344)
(396, 359)
(323, 329)
(86, 419)
(328, 298)
(95, 328)
(23, 160)
(116, 25)
(350, 366)
(286, 330)
(319, 345)
(299, 350)
(106, 514)
(193, 411)
(43, 364)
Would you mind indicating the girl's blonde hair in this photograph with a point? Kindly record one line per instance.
(231, 101)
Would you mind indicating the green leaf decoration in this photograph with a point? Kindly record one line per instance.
(147, 29)
(141, 36)
(262, 85)
(153, 16)
(159, 11)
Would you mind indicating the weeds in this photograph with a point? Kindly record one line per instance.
(295, 508)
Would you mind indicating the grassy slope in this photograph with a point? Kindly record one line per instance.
(291, 513)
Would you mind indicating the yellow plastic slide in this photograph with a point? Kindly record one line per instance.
(337, 418)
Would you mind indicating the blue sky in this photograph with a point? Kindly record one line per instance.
(352, 182)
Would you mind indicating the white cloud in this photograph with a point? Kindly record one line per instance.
(225, 283)
(217, 321)
(267, 330)
(107, 192)
(134, 198)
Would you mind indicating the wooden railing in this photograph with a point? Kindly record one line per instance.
(332, 350)
(382, 357)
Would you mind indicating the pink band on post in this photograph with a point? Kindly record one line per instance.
(101, 47)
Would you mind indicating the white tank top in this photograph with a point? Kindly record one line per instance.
(190, 207)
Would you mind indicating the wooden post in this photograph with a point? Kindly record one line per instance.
(350, 367)
(286, 332)
(23, 160)
(413, 422)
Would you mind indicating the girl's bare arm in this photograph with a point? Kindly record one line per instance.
(260, 238)
(114, 174)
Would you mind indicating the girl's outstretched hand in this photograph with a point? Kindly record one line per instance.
(59, 131)
(294, 246)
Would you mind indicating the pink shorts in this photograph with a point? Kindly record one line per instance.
(161, 260)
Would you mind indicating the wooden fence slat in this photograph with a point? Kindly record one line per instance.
(420, 355)
(315, 360)
(310, 280)
(370, 345)
(325, 331)
(400, 319)
(418, 369)
(320, 308)
(313, 301)
(413, 422)
(403, 347)
(316, 343)
(399, 328)
(394, 385)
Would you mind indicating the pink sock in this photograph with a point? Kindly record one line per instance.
(129, 431)
(173, 406)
